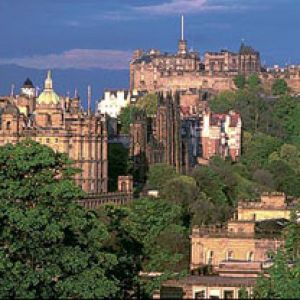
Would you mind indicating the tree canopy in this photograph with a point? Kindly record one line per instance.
(50, 246)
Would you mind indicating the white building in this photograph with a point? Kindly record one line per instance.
(115, 100)
(28, 89)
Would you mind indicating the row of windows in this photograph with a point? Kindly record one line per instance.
(229, 256)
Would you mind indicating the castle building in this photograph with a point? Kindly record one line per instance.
(155, 70)
(246, 61)
(221, 135)
(59, 123)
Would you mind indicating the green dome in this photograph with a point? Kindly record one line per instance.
(48, 96)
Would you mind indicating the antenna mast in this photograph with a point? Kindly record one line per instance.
(182, 27)
(89, 99)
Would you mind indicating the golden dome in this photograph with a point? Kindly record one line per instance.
(48, 96)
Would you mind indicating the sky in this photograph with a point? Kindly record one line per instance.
(89, 35)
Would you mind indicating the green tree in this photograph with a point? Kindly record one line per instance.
(279, 87)
(223, 102)
(127, 116)
(257, 148)
(253, 81)
(159, 174)
(210, 183)
(147, 236)
(117, 164)
(50, 246)
(239, 81)
(148, 103)
(284, 275)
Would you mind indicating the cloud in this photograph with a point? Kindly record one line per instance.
(75, 58)
(180, 6)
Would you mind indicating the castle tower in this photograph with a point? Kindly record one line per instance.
(182, 45)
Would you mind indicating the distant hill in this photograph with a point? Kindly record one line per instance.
(65, 80)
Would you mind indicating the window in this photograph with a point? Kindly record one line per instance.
(47, 141)
(8, 125)
(200, 295)
(250, 256)
(123, 187)
(210, 256)
(228, 294)
(230, 255)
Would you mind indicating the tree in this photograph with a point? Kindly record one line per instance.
(284, 275)
(117, 164)
(127, 116)
(257, 148)
(223, 102)
(147, 236)
(279, 87)
(50, 246)
(159, 174)
(239, 81)
(148, 103)
(253, 81)
(210, 183)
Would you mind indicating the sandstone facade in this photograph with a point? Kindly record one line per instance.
(60, 123)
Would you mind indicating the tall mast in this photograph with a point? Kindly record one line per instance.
(182, 27)
(89, 99)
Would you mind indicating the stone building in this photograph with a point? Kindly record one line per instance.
(235, 254)
(60, 123)
(158, 138)
(246, 237)
(115, 100)
(246, 61)
(221, 135)
(155, 70)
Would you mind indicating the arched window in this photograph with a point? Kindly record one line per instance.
(8, 125)
(229, 255)
(210, 256)
(123, 187)
(250, 256)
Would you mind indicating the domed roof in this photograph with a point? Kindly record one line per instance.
(28, 84)
(48, 96)
(10, 109)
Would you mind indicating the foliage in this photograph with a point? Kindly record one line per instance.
(223, 102)
(50, 246)
(257, 148)
(148, 103)
(239, 81)
(210, 183)
(117, 164)
(159, 174)
(149, 236)
(253, 81)
(127, 116)
(283, 282)
(279, 87)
